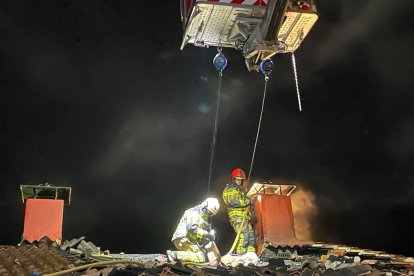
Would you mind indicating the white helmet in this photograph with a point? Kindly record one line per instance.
(212, 205)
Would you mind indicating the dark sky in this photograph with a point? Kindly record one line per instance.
(96, 95)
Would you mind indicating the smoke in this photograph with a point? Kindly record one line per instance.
(152, 139)
(304, 211)
(360, 21)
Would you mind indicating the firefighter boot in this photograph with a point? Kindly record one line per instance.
(172, 255)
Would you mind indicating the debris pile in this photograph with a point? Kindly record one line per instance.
(79, 247)
(87, 251)
(250, 258)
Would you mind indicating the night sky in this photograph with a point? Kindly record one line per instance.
(96, 95)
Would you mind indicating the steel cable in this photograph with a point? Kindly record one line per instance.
(258, 129)
(213, 143)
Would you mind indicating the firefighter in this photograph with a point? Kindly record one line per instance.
(194, 234)
(234, 196)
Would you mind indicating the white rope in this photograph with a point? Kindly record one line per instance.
(258, 129)
(296, 80)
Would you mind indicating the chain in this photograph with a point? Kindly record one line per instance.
(296, 80)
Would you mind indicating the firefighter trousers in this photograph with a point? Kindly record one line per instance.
(189, 252)
(247, 238)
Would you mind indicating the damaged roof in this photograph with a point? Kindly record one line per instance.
(43, 257)
(84, 258)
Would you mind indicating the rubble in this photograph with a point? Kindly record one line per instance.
(81, 248)
(71, 243)
(250, 258)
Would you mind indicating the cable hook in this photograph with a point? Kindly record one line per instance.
(266, 66)
(220, 61)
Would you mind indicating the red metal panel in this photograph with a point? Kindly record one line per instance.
(188, 5)
(259, 225)
(43, 218)
(243, 2)
(260, 3)
(275, 223)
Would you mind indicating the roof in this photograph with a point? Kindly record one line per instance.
(44, 257)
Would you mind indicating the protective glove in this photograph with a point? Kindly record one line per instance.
(211, 236)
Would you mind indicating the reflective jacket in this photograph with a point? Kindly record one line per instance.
(194, 225)
(236, 200)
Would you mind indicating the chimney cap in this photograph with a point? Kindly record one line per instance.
(46, 191)
(276, 189)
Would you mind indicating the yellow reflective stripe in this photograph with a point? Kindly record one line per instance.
(235, 212)
(232, 194)
(240, 248)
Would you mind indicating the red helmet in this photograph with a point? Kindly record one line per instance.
(238, 173)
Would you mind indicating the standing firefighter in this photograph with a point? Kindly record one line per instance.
(194, 237)
(238, 203)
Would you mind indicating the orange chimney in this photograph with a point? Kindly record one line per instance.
(273, 210)
(43, 212)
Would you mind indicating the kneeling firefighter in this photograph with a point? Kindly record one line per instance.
(194, 237)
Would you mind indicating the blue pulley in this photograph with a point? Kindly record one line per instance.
(266, 66)
(220, 61)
